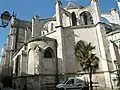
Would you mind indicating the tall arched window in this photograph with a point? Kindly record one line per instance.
(86, 18)
(51, 27)
(49, 53)
(17, 65)
(74, 19)
(31, 62)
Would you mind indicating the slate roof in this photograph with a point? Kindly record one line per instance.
(42, 38)
(42, 22)
(22, 23)
(73, 6)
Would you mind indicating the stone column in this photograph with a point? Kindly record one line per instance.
(103, 47)
(36, 26)
(96, 13)
(61, 48)
(59, 29)
(58, 13)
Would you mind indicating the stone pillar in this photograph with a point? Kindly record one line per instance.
(58, 13)
(13, 31)
(96, 13)
(60, 39)
(25, 35)
(35, 26)
(103, 47)
(61, 48)
(8, 50)
(28, 32)
(12, 34)
(102, 40)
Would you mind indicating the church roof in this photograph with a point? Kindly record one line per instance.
(42, 22)
(22, 23)
(73, 6)
(43, 38)
(115, 27)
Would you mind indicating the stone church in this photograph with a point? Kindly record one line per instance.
(41, 53)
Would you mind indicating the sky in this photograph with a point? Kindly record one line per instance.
(26, 9)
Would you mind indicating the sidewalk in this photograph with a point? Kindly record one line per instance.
(8, 88)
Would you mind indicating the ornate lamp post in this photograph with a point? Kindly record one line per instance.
(5, 17)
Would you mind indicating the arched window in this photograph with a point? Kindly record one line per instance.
(49, 53)
(17, 65)
(44, 31)
(51, 26)
(74, 19)
(31, 62)
(86, 18)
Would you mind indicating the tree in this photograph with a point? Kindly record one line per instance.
(88, 61)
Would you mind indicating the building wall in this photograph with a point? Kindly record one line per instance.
(43, 61)
(19, 53)
(35, 64)
(22, 42)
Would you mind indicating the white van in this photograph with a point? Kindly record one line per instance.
(73, 83)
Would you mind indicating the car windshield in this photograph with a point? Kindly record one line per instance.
(65, 81)
(69, 81)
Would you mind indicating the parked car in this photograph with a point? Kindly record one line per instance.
(73, 83)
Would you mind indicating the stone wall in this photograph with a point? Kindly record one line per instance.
(35, 82)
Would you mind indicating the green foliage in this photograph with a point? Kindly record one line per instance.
(83, 52)
(88, 60)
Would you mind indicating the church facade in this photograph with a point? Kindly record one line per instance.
(41, 53)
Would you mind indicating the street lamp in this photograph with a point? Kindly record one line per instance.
(5, 17)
